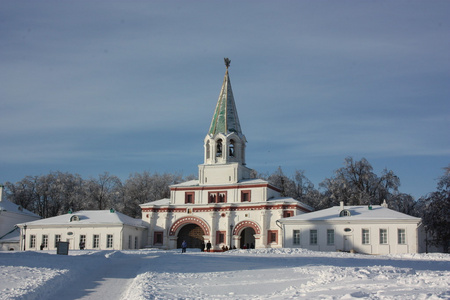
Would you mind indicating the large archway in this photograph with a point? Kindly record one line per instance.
(192, 234)
(247, 238)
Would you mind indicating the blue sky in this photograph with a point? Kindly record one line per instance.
(131, 86)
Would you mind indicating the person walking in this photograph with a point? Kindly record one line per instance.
(208, 246)
(183, 247)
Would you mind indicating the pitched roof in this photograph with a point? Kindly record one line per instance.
(89, 217)
(6, 205)
(357, 213)
(225, 119)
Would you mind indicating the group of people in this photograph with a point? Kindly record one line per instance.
(225, 248)
(208, 247)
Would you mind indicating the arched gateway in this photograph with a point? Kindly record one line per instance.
(246, 230)
(192, 234)
(190, 229)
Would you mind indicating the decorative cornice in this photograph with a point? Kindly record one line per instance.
(223, 208)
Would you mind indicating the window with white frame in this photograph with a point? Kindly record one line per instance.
(45, 241)
(383, 236)
(57, 239)
(401, 236)
(129, 241)
(109, 241)
(96, 241)
(330, 236)
(296, 237)
(32, 241)
(313, 237)
(365, 236)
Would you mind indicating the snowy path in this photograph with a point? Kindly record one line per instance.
(107, 281)
(241, 274)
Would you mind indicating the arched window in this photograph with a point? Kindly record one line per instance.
(74, 218)
(208, 154)
(219, 148)
(344, 213)
(231, 149)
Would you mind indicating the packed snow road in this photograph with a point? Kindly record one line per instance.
(239, 274)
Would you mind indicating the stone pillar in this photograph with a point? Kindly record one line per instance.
(264, 228)
(258, 241)
(213, 222)
(166, 237)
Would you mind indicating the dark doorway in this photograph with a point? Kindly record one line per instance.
(248, 238)
(192, 234)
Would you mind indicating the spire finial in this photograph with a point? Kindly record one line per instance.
(227, 62)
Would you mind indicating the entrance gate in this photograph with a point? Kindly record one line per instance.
(192, 234)
(248, 238)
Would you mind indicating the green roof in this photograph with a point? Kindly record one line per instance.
(225, 119)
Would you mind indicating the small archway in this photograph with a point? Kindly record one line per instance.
(246, 230)
(208, 150)
(219, 148)
(192, 234)
(247, 238)
(231, 150)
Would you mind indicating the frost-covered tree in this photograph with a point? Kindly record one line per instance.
(435, 209)
(357, 184)
(48, 195)
(103, 192)
(141, 188)
(298, 186)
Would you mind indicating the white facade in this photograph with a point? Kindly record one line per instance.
(10, 215)
(224, 206)
(374, 230)
(97, 229)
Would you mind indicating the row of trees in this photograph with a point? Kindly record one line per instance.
(55, 193)
(355, 184)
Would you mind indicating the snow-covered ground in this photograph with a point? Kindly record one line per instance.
(238, 274)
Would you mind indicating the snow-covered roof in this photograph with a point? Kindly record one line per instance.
(357, 213)
(6, 205)
(195, 183)
(89, 217)
(165, 201)
(186, 183)
(289, 200)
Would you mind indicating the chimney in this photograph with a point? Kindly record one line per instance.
(342, 205)
(1, 192)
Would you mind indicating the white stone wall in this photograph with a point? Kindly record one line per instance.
(355, 235)
(72, 235)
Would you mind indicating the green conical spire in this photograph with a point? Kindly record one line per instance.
(225, 119)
